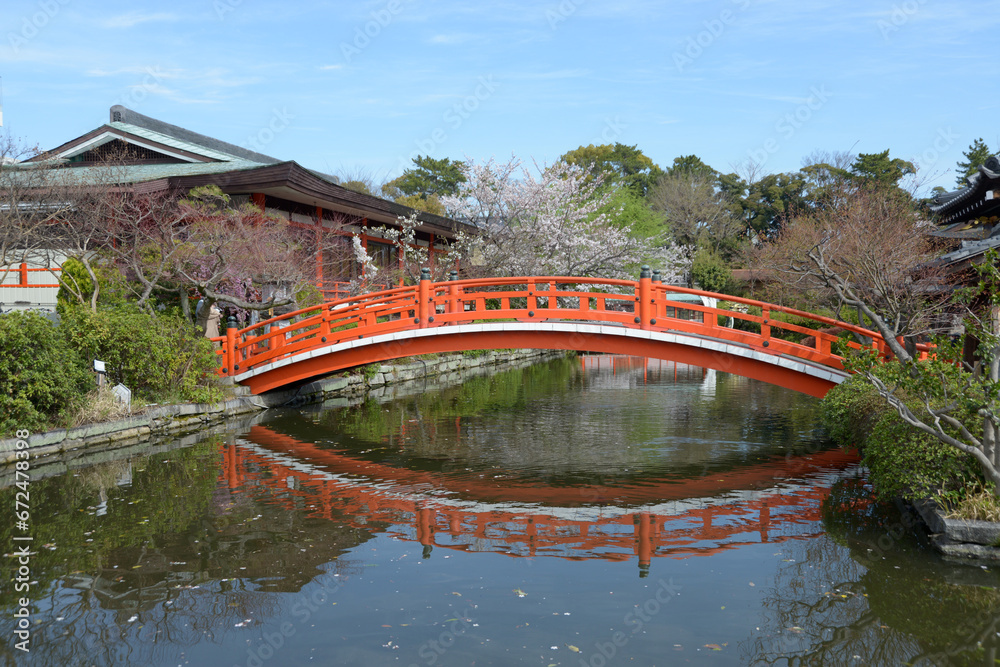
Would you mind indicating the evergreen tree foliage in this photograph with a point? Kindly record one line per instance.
(975, 157)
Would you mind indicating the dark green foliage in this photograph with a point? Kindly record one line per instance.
(902, 461)
(429, 177)
(711, 272)
(692, 165)
(41, 377)
(881, 169)
(765, 204)
(618, 164)
(975, 157)
(158, 357)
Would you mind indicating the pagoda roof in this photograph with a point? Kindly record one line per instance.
(173, 158)
(979, 198)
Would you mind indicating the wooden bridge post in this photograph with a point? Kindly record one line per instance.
(453, 292)
(231, 346)
(424, 298)
(765, 329)
(645, 299)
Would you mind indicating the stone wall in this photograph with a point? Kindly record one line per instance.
(385, 382)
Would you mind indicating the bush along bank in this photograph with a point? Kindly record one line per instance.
(905, 464)
(380, 381)
(46, 376)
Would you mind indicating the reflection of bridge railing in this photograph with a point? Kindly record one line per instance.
(643, 305)
(509, 519)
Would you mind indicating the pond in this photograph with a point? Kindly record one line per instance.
(594, 510)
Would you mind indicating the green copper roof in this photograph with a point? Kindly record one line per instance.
(173, 142)
(76, 176)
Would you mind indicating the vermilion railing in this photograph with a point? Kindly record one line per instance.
(636, 304)
(21, 274)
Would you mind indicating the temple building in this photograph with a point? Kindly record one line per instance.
(970, 215)
(154, 156)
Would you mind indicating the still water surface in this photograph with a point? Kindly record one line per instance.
(594, 511)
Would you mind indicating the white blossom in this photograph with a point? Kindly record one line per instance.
(552, 225)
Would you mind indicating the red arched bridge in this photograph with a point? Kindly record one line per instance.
(642, 317)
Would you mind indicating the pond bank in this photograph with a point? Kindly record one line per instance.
(959, 538)
(175, 420)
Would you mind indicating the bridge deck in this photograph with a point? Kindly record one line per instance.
(642, 318)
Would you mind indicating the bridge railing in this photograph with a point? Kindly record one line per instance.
(637, 304)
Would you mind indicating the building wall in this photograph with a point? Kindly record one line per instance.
(32, 289)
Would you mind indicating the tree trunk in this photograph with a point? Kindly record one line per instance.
(993, 371)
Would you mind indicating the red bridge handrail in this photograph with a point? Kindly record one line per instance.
(636, 304)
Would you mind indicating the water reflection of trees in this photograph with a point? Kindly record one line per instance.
(872, 594)
(558, 424)
(133, 573)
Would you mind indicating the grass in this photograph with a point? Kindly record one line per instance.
(978, 505)
(100, 405)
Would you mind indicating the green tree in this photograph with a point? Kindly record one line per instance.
(427, 178)
(692, 165)
(766, 204)
(358, 186)
(975, 157)
(880, 169)
(618, 164)
(695, 210)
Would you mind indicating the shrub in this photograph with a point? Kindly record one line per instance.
(850, 411)
(710, 271)
(902, 461)
(159, 357)
(41, 377)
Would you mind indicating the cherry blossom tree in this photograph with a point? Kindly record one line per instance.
(555, 223)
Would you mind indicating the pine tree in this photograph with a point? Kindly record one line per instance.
(977, 155)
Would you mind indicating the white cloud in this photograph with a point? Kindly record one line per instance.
(456, 38)
(135, 18)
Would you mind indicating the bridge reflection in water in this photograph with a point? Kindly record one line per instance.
(478, 513)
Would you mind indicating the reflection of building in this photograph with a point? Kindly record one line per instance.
(626, 371)
(152, 156)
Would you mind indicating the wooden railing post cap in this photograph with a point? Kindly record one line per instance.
(453, 275)
(657, 278)
(644, 271)
(425, 273)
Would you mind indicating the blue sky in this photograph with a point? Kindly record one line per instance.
(349, 86)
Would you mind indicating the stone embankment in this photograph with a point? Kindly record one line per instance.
(384, 382)
(959, 538)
